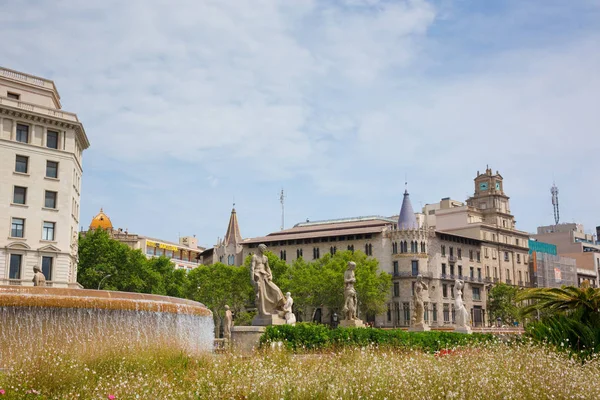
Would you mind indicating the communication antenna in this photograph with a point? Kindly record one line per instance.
(554, 191)
(282, 201)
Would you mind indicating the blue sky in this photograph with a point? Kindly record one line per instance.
(190, 104)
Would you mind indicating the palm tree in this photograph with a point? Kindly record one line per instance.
(580, 303)
(570, 317)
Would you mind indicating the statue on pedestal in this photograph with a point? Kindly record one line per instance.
(419, 321)
(350, 309)
(269, 298)
(38, 277)
(227, 324)
(290, 318)
(462, 315)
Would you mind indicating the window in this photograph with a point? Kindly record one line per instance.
(22, 133)
(476, 294)
(452, 291)
(21, 164)
(298, 253)
(369, 249)
(422, 247)
(495, 272)
(453, 314)
(434, 312)
(520, 277)
(478, 256)
(507, 274)
(351, 248)
(395, 248)
(17, 228)
(445, 290)
(472, 272)
(282, 255)
(47, 267)
(487, 271)
(150, 251)
(451, 269)
(48, 231)
(20, 195)
(478, 273)
(389, 312)
(52, 139)
(506, 256)
(443, 269)
(460, 270)
(517, 242)
(396, 289)
(486, 252)
(518, 258)
(395, 267)
(406, 307)
(415, 267)
(51, 169)
(50, 199)
(316, 253)
(13, 96)
(443, 251)
(332, 250)
(470, 255)
(230, 259)
(451, 251)
(459, 253)
(15, 266)
(446, 312)
(426, 312)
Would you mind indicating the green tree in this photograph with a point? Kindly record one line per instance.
(569, 317)
(218, 285)
(321, 283)
(502, 303)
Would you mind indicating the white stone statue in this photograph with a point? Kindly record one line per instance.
(462, 315)
(350, 299)
(350, 309)
(290, 318)
(227, 323)
(420, 286)
(38, 277)
(269, 298)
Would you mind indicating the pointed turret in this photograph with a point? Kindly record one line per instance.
(407, 219)
(233, 235)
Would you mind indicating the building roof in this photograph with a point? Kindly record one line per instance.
(198, 249)
(349, 226)
(407, 219)
(233, 234)
(101, 221)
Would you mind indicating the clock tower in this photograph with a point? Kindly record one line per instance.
(490, 200)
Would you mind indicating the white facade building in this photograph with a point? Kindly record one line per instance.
(40, 165)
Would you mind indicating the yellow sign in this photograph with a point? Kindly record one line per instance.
(161, 245)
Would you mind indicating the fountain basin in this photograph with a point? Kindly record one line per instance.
(36, 317)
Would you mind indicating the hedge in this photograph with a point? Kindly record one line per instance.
(309, 336)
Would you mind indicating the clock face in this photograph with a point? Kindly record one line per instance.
(483, 186)
(497, 185)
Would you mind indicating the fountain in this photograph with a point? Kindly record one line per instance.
(33, 318)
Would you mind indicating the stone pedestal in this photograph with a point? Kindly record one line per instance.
(352, 323)
(419, 328)
(245, 339)
(463, 329)
(266, 320)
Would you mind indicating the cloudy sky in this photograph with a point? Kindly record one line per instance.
(190, 104)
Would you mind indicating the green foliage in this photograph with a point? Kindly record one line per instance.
(321, 282)
(218, 285)
(569, 317)
(307, 336)
(129, 270)
(502, 303)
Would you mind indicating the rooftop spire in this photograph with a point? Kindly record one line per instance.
(407, 219)
(233, 234)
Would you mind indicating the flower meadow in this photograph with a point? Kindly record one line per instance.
(482, 371)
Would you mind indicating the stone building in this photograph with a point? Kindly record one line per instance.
(183, 255)
(41, 148)
(228, 250)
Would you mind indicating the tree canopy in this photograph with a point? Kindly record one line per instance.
(502, 303)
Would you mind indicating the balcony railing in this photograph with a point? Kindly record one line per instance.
(39, 109)
(508, 282)
(452, 259)
(410, 274)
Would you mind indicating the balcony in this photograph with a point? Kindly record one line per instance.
(521, 283)
(409, 274)
(508, 282)
(452, 259)
(496, 280)
(39, 109)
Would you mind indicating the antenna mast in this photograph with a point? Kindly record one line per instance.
(554, 191)
(282, 200)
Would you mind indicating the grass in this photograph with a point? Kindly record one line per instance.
(490, 371)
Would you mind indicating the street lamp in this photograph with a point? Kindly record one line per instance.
(103, 279)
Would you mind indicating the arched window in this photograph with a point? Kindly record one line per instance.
(230, 259)
(351, 248)
(422, 247)
(298, 253)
